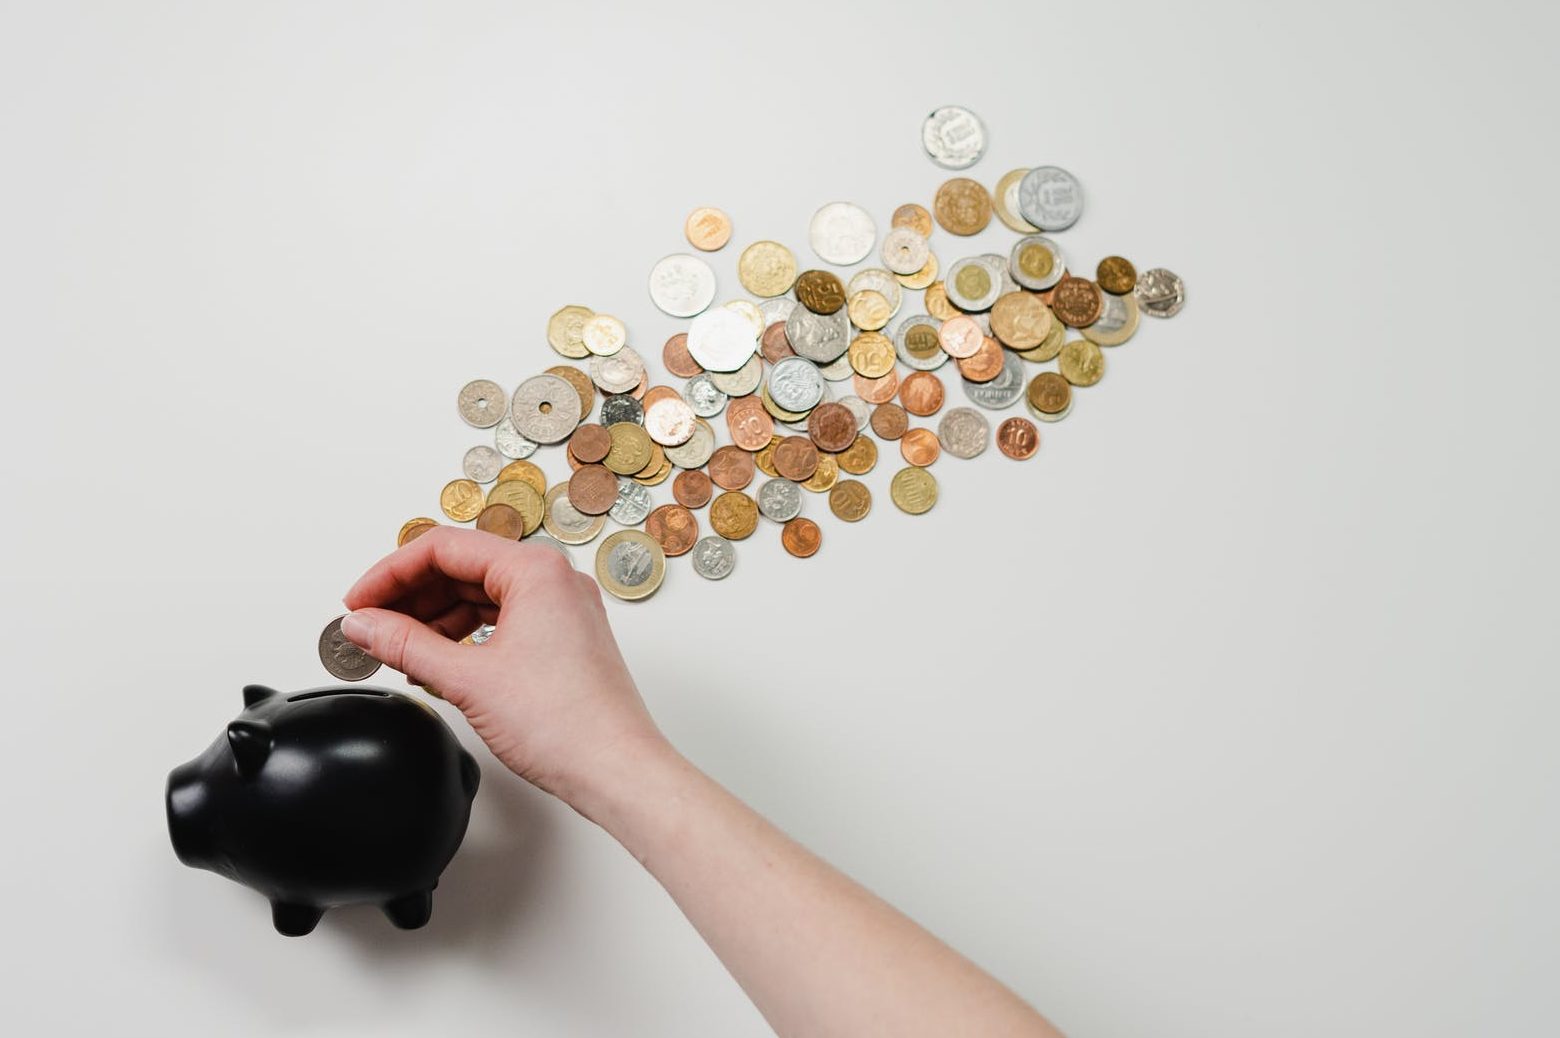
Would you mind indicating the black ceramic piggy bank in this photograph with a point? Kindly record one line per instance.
(329, 797)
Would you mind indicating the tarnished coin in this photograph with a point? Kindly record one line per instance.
(545, 409)
(343, 659)
(904, 251)
(890, 421)
(680, 285)
(962, 206)
(796, 458)
(721, 339)
(1081, 362)
(590, 443)
(502, 520)
(481, 463)
(1049, 394)
(921, 393)
(842, 233)
(697, 450)
(565, 522)
(819, 338)
(676, 358)
(692, 489)
(603, 334)
(461, 500)
(801, 537)
(509, 441)
(1049, 198)
(954, 137)
(832, 427)
(749, 424)
(563, 331)
(621, 407)
(766, 268)
(795, 384)
(820, 291)
(850, 500)
(914, 490)
(703, 397)
(630, 565)
(773, 344)
(669, 421)
(623, 372)
(674, 528)
(1117, 323)
(984, 364)
(592, 489)
(734, 515)
(1018, 438)
(714, 557)
(731, 468)
(963, 432)
(920, 447)
(741, 382)
(917, 344)
(581, 383)
(877, 280)
(707, 228)
(823, 477)
(921, 278)
(526, 471)
(970, 285)
(523, 497)
(1160, 293)
(481, 403)
(1005, 201)
(413, 529)
(859, 458)
(630, 451)
(1036, 262)
(961, 336)
(780, 500)
(1002, 391)
(1116, 275)
(632, 505)
(915, 217)
(1076, 302)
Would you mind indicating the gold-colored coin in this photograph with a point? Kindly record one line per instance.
(914, 217)
(913, 489)
(413, 529)
(872, 353)
(868, 309)
(581, 383)
(630, 450)
(656, 460)
(860, 456)
(825, 475)
(921, 278)
(922, 342)
(630, 564)
(766, 268)
(1118, 321)
(962, 206)
(850, 500)
(1050, 347)
(734, 515)
(1048, 394)
(1005, 201)
(1081, 362)
(765, 458)
(527, 471)
(563, 331)
(779, 413)
(654, 478)
(937, 303)
(461, 500)
(1116, 275)
(1020, 320)
(820, 291)
(1036, 261)
(973, 281)
(523, 497)
(566, 523)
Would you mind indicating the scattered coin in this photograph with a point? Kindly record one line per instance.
(801, 537)
(341, 657)
(603, 334)
(766, 268)
(707, 228)
(971, 286)
(413, 529)
(774, 345)
(734, 515)
(581, 383)
(818, 337)
(593, 489)
(1050, 198)
(692, 489)
(871, 354)
(832, 427)
(750, 426)
(632, 505)
(1002, 391)
(1118, 321)
(697, 450)
(680, 285)
(920, 447)
(1116, 275)
(1160, 293)
(904, 250)
(913, 490)
(714, 557)
(482, 403)
(963, 432)
(1020, 320)
(621, 407)
(502, 520)
(1049, 396)
(590, 443)
(630, 565)
(674, 528)
(820, 291)
(954, 137)
(523, 497)
(859, 458)
(565, 522)
(1076, 301)
(563, 331)
(780, 500)
(731, 468)
(850, 500)
(876, 390)
(481, 464)
(915, 217)
(842, 233)
(1004, 199)
(922, 394)
(676, 358)
(721, 340)
(962, 206)
(824, 475)
(916, 342)
(1036, 262)
(631, 449)
(461, 500)
(936, 300)
(1018, 438)
(622, 372)
(890, 420)
(796, 458)
(669, 421)
(509, 441)
(545, 409)
(703, 397)
(984, 364)
(868, 310)
(1081, 362)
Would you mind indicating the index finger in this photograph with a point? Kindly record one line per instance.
(468, 556)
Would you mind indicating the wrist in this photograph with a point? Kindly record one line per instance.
(621, 778)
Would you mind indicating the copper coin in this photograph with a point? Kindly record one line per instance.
(876, 390)
(590, 443)
(593, 489)
(914, 217)
(984, 364)
(890, 421)
(920, 447)
(674, 528)
(1018, 438)
(583, 386)
(734, 515)
(801, 537)
(731, 467)
(820, 291)
(832, 427)
(707, 229)
(1116, 275)
(1076, 301)
(502, 520)
(850, 500)
(692, 489)
(921, 393)
(413, 530)
(1049, 393)
(677, 359)
(655, 393)
(638, 392)
(796, 458)
(749, 424)
(962, 206)
(960, 336)
(774, 343)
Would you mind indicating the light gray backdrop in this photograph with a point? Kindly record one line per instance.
(1231, 713)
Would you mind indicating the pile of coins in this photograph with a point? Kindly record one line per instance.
(766, 369)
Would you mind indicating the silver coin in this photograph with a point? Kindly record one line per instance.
(631, 562)
(721, 339)
(999, 269)
(1117, 322)
(933, 358)
(842, 233)
(777, 308)
(817, 337)
(669, 421)
(879, 281)
(482, 463)
(828, 394)
(620, 373)
(541, 538)
(704, 396)
(795, 384)
(481, 635)
(780, 500)
(858, 407)
(697, 450)
(1049, 197)
(509, 441)
(632, 504)
(954, 137)
(621, 407)
(963, 432)
(714, 557)
(565, 522)
(742, 381)
(1033, 282)
(1160, 292)
(682, 285)
(904, 251)
(838, 369)
(341, 657)
(1001, 391)
(482, 403)
(546, 408)
(969, 303)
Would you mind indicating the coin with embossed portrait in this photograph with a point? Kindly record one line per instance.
(714, 557)
(680, 285)
(842, 233)
(1049, 197)
(954, 137)
(630, 565)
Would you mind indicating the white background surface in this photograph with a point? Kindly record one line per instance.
(1231, 713)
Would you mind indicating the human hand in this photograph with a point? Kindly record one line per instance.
(548, 692)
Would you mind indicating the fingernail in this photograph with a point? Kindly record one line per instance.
(358, 628)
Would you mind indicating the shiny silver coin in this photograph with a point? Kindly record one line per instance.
(1160, 292)
(481, 464)
(838, 369)
(795, 384)
(509, 441)
(1118, 320)
(777, 308)
(963, 432)
(632, 504)
(482, 403)
(742, 381)
(621, 407)
(842, 233)
(780, 500)
(620, 373)
(704, 396)
(999, 269)
(713, 557)
(858, 407)
(904, 251)
(817, 337)
(669, 421)
(546, 408)
(603, 334)
(341, 657)
(879, 281)
(1001, 391)
(682, 285)
(1049, 197)
(481, 635)
(800, 425)
(954, 137)
(721, 339)
(1036, 276)
(565, 522)
(972, 270)
(697, 450)
(919, 350)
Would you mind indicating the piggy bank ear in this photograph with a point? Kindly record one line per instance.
(251, 743)
(255, 693)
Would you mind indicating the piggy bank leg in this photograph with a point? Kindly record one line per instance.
(294, 920)
(409, 911)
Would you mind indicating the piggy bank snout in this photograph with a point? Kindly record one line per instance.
(190, 815)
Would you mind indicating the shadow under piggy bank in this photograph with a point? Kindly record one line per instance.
(329, 797)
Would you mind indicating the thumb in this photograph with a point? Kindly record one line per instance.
(404, 644)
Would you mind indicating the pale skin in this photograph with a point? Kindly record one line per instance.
(549, 693)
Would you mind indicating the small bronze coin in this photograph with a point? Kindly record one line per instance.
(876, 390)
(824, 475)
(890, 421)
(655, 393)
(1018, 438)
(749, 424)
(984, 364)
(590, 443)
(820, 291)
(593, 489)
(774, 344)
(1076, 301)
(674, 528)
(583, 386)
(850, 500)
(796, 458)
(731, 467)
(801, 537)
(921, 393)
(920, 447)
(860, 456)
(914, 217)
(765, 458)
(707, 229)
(527, 471)
(692, 489)
(962, 206)
(1049, 393)
(832, 427)
(677, 359)
(502, 520)
(734, 515)
(1116, 275)
(413, 529)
